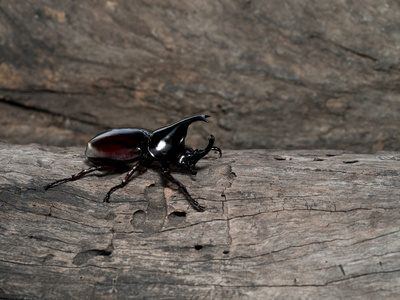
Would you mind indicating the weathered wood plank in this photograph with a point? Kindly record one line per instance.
(283, 224)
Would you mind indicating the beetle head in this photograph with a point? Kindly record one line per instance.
(191, 157)
(167, 144)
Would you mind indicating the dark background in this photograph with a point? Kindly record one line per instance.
(272, 74)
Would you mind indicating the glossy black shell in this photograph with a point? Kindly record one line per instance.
(118, 146)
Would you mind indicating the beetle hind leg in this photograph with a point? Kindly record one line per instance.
(78, 175)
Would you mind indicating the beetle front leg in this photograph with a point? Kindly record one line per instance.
(167, 174)
(122, 184)
(190, 158)
(78, 175)
(217, 149)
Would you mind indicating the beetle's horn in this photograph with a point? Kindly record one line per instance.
(168, 142)
(207, 149)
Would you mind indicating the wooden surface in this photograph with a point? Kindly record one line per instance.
(278, 224)
(272, 74)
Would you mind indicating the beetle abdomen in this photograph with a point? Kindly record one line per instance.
(118, 145)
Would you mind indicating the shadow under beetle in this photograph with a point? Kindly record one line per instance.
(118, 148)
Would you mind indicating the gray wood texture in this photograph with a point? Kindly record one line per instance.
(278, 224)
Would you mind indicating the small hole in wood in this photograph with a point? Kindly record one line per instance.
(178, 213)
(139, 219)
(350, 161)
(225, 252)
(318, 159)
(280, 158)
(198, 247)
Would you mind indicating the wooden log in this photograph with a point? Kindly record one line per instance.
(278, 224)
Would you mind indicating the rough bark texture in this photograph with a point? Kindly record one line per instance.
(278, 224)
(273, 74)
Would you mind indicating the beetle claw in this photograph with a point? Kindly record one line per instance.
(107, 198)
(194, 203)
(57, 182)
(200, 207)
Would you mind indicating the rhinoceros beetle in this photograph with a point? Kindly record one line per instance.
(118, 148)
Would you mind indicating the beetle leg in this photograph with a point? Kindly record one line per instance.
(217, 149)
(122, 184)
(167, 174)
(78, 175)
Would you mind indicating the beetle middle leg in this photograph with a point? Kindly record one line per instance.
(123, 183)
(167, 174)
(78, 175)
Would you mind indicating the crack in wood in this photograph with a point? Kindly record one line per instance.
(12, 102)
(86, 255)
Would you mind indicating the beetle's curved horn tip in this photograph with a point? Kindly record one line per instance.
(205, 118)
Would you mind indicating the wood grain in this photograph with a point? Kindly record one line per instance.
(293, 75)
(278, 224)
